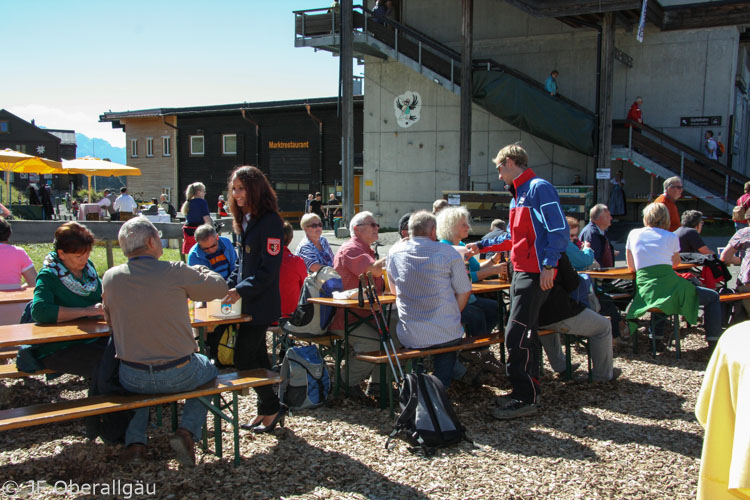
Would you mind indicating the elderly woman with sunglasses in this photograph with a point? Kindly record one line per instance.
(314, 248)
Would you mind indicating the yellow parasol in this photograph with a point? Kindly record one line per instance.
(13, 161)
(90, 166)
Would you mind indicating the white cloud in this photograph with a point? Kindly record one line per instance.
(81, 121)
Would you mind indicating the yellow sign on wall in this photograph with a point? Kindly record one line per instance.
(368, 182)
(288, 145)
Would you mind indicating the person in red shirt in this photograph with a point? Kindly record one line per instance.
(222, 207)
(672, 193)
(635, 113)
(292, 275)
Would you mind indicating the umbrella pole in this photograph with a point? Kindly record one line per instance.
(91, 193)
(7, 185)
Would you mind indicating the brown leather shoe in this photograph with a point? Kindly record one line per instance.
(184, 447)
(134, 453)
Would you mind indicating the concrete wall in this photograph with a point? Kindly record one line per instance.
(680, 73)
(410, 167)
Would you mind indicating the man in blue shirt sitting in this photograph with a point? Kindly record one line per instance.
(213, 251)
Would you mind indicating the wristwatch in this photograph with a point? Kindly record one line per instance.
(547, 266)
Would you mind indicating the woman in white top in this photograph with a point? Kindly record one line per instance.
(655, 245)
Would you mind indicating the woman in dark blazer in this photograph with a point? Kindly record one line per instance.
(253, 204)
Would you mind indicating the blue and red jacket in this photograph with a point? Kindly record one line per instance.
(539, 233)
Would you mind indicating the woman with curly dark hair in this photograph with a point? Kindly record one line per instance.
(67, 288)
(255, 280)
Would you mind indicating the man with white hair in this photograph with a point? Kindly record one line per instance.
(356, 257)
(672, 192)
(431, 286)
(595, 233)
(146, 304)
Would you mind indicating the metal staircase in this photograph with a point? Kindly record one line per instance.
(661, 155)
(647, 148)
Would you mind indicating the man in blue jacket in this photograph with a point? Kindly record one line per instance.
(538, 236)
(213, 251)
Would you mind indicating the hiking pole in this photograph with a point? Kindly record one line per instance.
(383, 334)
(371, 283)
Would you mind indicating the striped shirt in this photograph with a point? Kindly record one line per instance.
(426, 275)
(311, 255)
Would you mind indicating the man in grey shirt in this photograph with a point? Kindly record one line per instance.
(146, 304)
(432, 287)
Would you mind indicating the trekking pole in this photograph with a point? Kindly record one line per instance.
(383, 333)
(371, 283)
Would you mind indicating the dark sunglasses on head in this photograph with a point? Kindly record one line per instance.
(317, 224)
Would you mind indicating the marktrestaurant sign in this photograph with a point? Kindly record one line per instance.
(288, 144)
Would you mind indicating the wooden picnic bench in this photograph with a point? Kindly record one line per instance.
(467, 344)
(209, 394)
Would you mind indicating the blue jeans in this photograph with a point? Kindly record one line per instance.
(444, 364)
(712, 315)
(479, 317)
(195, 373)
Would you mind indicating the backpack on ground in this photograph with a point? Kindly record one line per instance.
(225, 351)
(427, 419)
(305, 382)
(313, 319)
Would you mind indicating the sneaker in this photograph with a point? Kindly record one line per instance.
(616, 372)
(562, 374)
(373, 391)
(513, 409)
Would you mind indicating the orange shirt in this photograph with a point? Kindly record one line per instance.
(674, 214)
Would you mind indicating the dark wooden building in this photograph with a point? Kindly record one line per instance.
(25, 137)
(297, 144)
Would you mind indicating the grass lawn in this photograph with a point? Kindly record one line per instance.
(38, 251)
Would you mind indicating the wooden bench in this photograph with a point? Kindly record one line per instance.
(8, 353)
(732, 297)
(11, 371)
(235, 382)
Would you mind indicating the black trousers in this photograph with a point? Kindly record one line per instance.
(250, 352)
(521, 338)
(79, 359)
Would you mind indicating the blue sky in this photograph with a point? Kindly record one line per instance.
(67, 62)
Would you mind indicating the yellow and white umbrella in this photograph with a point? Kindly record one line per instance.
(13, 161)
(90, 166)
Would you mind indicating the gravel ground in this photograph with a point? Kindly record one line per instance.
(633, 438)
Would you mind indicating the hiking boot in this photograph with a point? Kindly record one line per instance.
(184, 447)
(513, 408)
(133, 454)
(616, 372)
(485, 359)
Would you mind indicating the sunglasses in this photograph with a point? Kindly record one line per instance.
(678, 187)
(371, 224)
(317, 224)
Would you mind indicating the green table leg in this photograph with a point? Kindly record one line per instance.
(236, 427)
(217, 428)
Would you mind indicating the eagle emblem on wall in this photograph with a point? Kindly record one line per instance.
(408, 108)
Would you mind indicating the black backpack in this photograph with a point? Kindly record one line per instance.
(427, 418)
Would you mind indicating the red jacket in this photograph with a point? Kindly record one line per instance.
(292, 275)
(635, 114)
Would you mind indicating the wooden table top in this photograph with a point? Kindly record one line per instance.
(351, 303)
(614, 273)
(15, 296)
(493, 285)
(33, 333)
(203, 320)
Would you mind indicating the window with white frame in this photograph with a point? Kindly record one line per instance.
(134, 148)
(197, 145)
(166, 146)
(229, 144)
(149, 146)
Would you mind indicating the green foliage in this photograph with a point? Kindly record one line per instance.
(84, 193)
(38, 251)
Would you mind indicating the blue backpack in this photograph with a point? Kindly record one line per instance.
(313, 319)
(305, 382)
